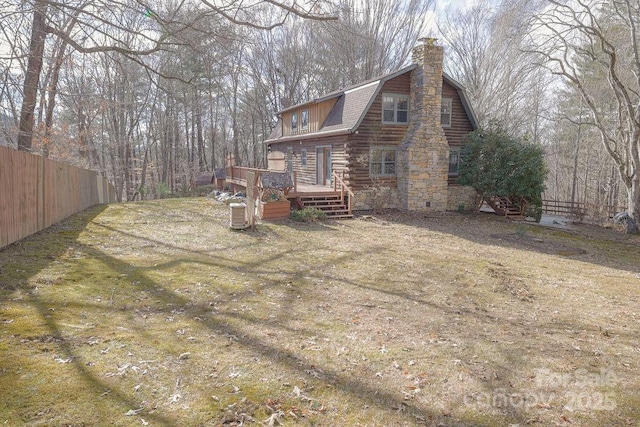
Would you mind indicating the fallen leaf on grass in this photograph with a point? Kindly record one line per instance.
(273, 419)
(297, 391)
(132, 412)
(299, 395)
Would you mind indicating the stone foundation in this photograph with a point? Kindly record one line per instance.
(377, 198)
(460, 197)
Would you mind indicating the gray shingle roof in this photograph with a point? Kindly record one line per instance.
(352, 105)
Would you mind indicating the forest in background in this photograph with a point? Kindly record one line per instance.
(150, 94)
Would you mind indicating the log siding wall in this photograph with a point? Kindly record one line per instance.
(307, 174)
(373, 133)
(460, 123)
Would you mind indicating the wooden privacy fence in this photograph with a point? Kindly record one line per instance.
(36, 193)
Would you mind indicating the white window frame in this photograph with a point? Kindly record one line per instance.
(294, 122)
(456, 152)
(395, 97)
(446, 110)
(303, 157)
(304, 120)
(384, 173)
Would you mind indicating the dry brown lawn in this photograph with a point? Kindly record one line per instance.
(157, 314)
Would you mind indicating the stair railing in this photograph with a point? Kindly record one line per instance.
(339, 181)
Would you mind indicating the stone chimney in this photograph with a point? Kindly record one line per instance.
(424, 151)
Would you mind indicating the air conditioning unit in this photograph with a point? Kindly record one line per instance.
(237, 219)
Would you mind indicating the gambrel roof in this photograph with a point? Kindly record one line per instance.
(351, 107)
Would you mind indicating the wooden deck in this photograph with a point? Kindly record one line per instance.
(237, 175)
(336, 199)
(310, 190)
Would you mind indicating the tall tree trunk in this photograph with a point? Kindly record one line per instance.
(576, 154)
(633, 204)
(202, 158)
(214, 127)
(32, 79)
(51, 101)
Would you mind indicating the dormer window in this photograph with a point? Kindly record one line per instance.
(294, 123)
(395, 108)
(445, 113)
(304, 120)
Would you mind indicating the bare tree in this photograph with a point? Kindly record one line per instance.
(370, 39)
(484, 53)
(595, 47)
(99, 30)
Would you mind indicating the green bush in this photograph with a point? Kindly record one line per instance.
(308, 215)
(163, 190)
(497, 164)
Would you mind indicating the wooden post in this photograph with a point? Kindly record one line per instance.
(295, 182)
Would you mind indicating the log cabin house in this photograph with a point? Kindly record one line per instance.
(391, 142)
(394, 141)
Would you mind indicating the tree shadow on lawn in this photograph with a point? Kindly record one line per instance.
(58, 239)
(19, 262)
(226, 321)
(527, 354)
(248, 338)
(586, 243)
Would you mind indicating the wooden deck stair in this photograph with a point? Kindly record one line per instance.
(505, 206)
(331, 204)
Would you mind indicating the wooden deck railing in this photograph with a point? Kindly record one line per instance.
(238, 175)
(338, 181)
(579, 209)
(560, 207)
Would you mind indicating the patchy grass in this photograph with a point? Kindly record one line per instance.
(156, 313)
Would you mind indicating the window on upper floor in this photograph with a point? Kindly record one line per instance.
(395, 108)
(294, 123)
(382, 162)
(454, 161)
(445, 112)
(304, 120)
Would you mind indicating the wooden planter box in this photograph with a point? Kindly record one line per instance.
(274, 210)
